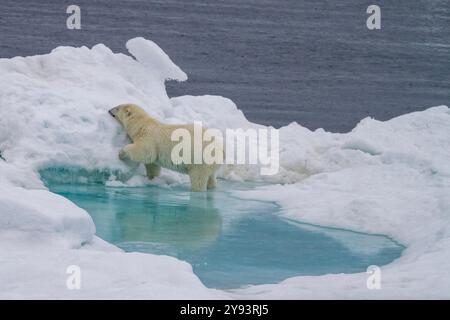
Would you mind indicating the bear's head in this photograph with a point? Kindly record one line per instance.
(132, 117)
(125, 113)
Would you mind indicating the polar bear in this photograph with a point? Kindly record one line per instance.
(152, 145)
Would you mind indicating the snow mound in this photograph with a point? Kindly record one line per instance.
(38, 215)
(54, 107)
(150, 55)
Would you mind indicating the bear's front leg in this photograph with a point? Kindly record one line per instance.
(129, 152)
(123, 155)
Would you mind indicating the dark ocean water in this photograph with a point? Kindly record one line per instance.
(313, 62)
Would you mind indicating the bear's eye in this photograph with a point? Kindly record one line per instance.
(127, 112)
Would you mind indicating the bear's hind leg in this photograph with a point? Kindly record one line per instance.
(212, 181)
(199, 180)
(152, 170)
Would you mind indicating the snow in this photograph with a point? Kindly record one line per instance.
(36, 214)
(40, 272)
(389, 178)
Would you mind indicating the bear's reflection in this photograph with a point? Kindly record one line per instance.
(185, 219)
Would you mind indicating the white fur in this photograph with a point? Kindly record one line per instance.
(152, 146)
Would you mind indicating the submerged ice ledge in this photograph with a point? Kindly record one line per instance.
(80, 175)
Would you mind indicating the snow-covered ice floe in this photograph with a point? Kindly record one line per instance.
(389, 178)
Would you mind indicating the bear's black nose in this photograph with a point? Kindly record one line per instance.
(113, 111)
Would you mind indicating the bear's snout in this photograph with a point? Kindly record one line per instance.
(113, 111)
